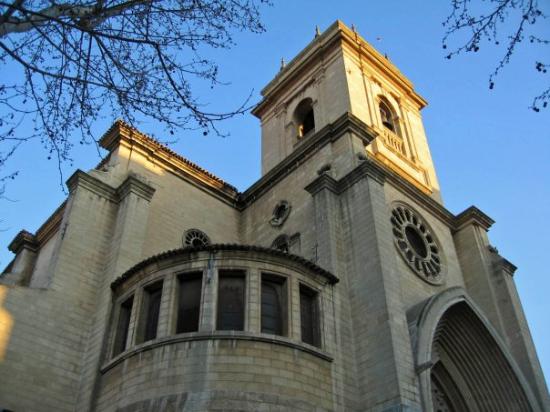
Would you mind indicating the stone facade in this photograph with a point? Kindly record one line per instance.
(337, 282)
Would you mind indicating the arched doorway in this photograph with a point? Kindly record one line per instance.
(463, 365)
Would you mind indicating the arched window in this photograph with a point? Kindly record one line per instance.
(195, 238)
(304, 117)
(389, 119)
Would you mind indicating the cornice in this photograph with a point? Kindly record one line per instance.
(370, 167)
(121, 133)
(51, 225)
(324, 181)
(364, 49)
(338, 34)
(505, 265)
(232, 335)
(347, 123)
(134, 185)
(93, 184)
(190, 253)
(318, 47)
(23, 240)
(436, 208)
(365, 168)
(473, 216)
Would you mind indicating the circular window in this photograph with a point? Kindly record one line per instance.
(416, 244)
(195, 238)
(280, 213)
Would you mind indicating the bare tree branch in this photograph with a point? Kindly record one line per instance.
(482, 22)
(81, 60)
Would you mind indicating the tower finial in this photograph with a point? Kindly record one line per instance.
(317, 31)
(283, 63)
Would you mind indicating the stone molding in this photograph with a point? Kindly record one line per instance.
(191, 254)
(504, 265)
(371, 168)
(423, 320)
(364, 169)
(23, 240)
(347, 123)
(324, 181)
(93, 184)
(338, 35)
(473, 215)
(215, 335)
(134, 185)
(123, 134)
(51, 225)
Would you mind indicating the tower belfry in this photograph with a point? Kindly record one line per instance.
(340, 74)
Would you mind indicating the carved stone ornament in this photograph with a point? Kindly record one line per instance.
(195, 238)
(280, 213)
(416, 244)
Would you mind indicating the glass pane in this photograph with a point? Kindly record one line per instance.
(272, 310)
(152, 312)
(231, 303)
(123, 325)
(308, 316)
(189, 303)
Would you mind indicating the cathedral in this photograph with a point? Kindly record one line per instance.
(336, 282)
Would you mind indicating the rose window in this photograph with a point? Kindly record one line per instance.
(416, 244)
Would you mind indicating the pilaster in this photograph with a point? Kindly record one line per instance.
(25, 247)
(385, 369)
(131, 224)
(516, 329)
(472, 247)
(133, 198)
(327, 218)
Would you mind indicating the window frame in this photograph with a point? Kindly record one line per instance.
(281, 283)
(120, 345)
(179, 279)
(386, 106)
(316, 323)
(302, 112)
(144, 325)
(232, 273)
(253, 274)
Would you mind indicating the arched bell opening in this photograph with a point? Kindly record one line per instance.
(388, 116)
(304, 118)
(462, 363)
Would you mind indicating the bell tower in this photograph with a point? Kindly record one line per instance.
(339, 74)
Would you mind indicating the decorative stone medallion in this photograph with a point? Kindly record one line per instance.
(416, 244)
(280, 213)
(195, 238)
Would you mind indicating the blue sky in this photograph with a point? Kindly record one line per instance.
(490, 150)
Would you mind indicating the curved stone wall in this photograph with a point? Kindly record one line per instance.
(208, 368)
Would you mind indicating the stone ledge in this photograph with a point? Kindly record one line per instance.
(190, 253)
(347, 123)
(133, 184)
(473, 215)
(382, 174)
(215, 335)
(93, 184)
(22, 240)
(504, 265)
